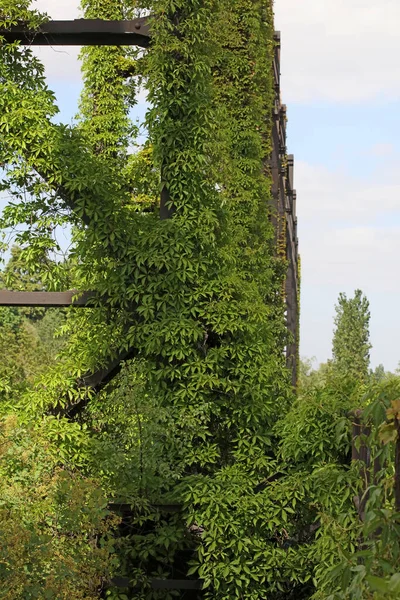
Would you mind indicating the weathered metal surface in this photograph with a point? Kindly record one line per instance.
(162, 584)
(137, 32)
(284, 211)
(102, 377)
(126, 509)
(82, 32)
(45, 299)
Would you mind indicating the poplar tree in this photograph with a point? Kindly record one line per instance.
(351, 345)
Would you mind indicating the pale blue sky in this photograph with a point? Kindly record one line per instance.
(341, 83)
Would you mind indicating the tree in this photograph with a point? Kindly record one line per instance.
(28, 342)
(379, 373)
(55, 528)
(310, 377)
(351, 344)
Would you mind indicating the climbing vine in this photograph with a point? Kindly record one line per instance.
(298, 312)
(187, 286)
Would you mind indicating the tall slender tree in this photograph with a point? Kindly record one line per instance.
(351, 343)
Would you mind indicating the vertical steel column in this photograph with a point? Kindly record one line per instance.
(284, 214)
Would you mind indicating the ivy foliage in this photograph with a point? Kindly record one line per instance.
(54, 523)
(195, 295)
(28, 342)
(371, 570)
(176, 241)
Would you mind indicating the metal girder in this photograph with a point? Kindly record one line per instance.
(281, 167)
(94, 32)
(82, 32)
(127, 508)
(137, 32)
(162, 584)
(44, 299)
(100, 378)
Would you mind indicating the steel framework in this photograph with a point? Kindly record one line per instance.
(137, 32)
(281, 166)
(285, 218)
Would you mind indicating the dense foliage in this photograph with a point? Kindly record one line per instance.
(351, 338)
(28, 342)
(176, 241)
(54, 523)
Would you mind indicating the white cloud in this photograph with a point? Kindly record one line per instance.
(383, 150)
(61, 63)
(339, 196)
(363, 257)
(339, 50)
(349, 229)
(59, 9)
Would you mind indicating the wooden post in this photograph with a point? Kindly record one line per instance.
(397, 469)
(362, 454)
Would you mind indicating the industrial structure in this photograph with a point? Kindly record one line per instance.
(85, 32)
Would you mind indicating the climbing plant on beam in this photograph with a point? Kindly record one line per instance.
(194, 295)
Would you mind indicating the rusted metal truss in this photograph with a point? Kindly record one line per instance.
(44, 299)
(82, 32)
(284, 213)
(137, 32)
(162, 584)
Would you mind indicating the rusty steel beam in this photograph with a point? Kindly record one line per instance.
(162, 584)
(126, 509)
(281, 167)
(82, 32)
(44, 299)
(99, 379)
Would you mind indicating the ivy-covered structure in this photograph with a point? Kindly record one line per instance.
(95, 32)
(187, 250)
(285, 216)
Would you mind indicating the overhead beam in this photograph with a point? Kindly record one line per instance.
(44, 299)
(126, 509)
(162, 584)
(94, 32)
(82, 32)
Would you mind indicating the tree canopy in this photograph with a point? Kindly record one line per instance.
(175, 238)
(351, 343)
